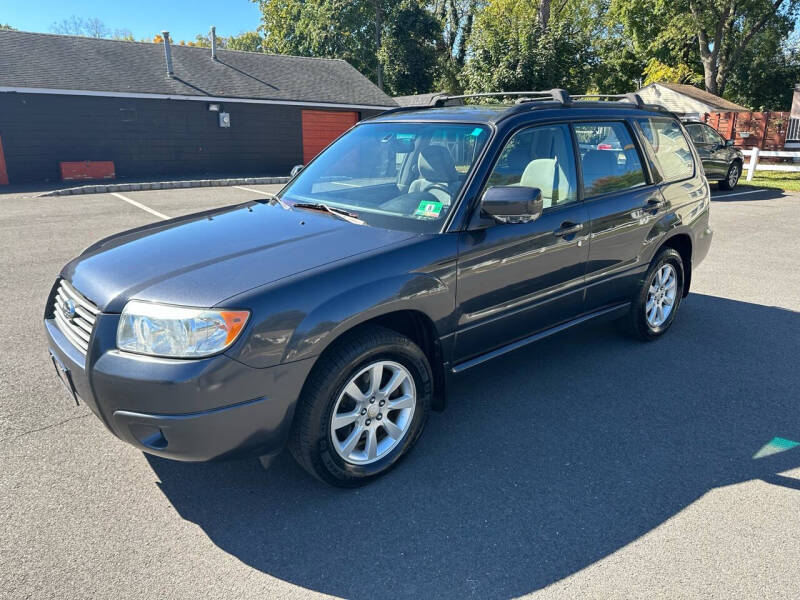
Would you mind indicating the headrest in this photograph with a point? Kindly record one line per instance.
(436, 164)
(541, 173)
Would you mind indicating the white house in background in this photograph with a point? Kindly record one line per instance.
(793, 131)
(687, 100)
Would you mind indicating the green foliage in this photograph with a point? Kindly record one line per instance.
(656, 71)
(510, 49)
(6, 26)
(764, 76)
(737, 48)
(323, 28)
(248, 41)
(408, 53)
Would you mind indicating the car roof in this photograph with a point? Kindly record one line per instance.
(493, 113)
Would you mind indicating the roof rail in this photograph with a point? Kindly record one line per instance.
(522, 104)
(559, 95)
(633, 98)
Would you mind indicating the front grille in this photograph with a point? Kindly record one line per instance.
(78, 328)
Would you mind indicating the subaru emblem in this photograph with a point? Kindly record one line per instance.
(68, 310)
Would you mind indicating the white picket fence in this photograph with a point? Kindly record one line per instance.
(755, 155)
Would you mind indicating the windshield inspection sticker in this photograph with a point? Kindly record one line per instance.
(430, 210)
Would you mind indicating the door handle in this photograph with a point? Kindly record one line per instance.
(654, 204)
(568, 228)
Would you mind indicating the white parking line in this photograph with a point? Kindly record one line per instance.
(140, 205)
(739, 193)
(247, 189)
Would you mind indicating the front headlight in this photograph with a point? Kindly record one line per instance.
(177, 331)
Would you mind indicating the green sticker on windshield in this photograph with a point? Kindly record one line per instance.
(477, 131)
(427, 209)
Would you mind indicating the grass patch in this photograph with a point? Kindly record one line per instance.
(774, 179)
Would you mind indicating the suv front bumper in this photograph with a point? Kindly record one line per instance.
(191, 410)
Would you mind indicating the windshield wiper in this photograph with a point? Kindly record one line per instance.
(338, 212)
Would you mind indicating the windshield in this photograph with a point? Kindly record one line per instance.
(394, 175)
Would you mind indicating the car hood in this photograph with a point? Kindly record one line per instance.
(202, 259)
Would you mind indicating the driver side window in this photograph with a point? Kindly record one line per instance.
(539, 157)
(713, 137)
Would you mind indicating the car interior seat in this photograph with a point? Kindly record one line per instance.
(547, 175)
(437, 173)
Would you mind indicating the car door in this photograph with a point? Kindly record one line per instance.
(622, 202)
(697, 134)
(719, 150)
(515, 279)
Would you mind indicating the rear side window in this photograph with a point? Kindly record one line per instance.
(669, 146)
(609, 158)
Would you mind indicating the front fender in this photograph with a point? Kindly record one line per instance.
(419, 292)
(300, 316)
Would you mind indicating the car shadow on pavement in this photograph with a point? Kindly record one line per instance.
(545, 462)
(747, 193)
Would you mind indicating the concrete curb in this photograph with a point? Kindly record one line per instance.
(161, 185)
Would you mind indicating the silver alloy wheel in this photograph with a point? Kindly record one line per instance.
(373, 413)
(733, 176)
(661, 296)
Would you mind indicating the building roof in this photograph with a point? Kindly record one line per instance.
(712, 102)
(59, 62)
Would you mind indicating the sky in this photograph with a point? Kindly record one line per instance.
(184, 19)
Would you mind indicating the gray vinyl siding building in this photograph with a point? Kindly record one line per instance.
(65, 98)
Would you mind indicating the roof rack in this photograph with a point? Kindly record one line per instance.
(557, 95)
(633, 98)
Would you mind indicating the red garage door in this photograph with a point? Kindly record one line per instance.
(321, 127)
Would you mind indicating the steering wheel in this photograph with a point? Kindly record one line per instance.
(437, 186)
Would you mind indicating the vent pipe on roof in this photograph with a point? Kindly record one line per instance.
(168, 54)
(213, 43)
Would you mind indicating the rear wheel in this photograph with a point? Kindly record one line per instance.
(654, 308)
(363, 407)
(732, 178)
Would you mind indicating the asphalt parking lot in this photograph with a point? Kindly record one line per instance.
(586, 466)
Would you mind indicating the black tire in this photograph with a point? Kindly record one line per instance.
(636, 322)
(310, 440)
(731, 177)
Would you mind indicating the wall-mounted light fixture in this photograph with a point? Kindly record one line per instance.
(213, 107)
(224, 119)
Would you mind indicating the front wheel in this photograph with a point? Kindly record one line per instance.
(363, 407)
(732, 178)
(654, 308)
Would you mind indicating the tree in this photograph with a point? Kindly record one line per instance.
(709, 37)
(356, 31)
(7, 27)
(726, 28)
(407, 55)
(248, 41)
(322, 28)
(764, 75)
(515, 46)
(92, 27)
(456, 18)
(125, 35)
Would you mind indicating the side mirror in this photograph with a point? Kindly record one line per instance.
(728, 143)
(512, 203)
(295, 170)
